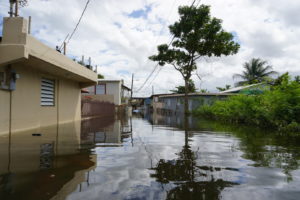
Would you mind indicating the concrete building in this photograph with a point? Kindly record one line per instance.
(174, 103)
(38, 85)
(113, 91)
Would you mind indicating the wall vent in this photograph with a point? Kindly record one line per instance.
(47, 92)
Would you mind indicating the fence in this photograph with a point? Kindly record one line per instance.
(94, 108)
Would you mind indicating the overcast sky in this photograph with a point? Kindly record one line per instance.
(120, 35)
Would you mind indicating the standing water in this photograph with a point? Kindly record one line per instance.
(149, 158)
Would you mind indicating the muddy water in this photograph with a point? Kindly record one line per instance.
(149, 157)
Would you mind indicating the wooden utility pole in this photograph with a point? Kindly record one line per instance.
(152, 89)
(29, 25)
(131, 89)
(82, 59)
(65, 48)
(11, 8)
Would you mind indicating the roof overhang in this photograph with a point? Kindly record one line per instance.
(30, 52)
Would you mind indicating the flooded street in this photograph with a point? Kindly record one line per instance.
(149, 158)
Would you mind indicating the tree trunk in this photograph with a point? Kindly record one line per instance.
(186, 100)
(186, 130)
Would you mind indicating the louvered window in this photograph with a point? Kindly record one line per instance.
(47, 92)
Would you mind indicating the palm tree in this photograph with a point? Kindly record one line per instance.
(255, 71)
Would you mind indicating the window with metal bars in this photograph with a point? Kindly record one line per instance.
(47, 92)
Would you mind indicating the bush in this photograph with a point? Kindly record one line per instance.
(277, 108)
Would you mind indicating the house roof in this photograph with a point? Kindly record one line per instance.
(194, 94)
(84, 90)
(127, 88)
(109, 80)
(237, 89)
(113, 81)
(17, 46)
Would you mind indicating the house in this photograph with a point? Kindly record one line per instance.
(113, 91)
(174, 103)
(38, 85)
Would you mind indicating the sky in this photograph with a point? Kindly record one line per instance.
(120, 35)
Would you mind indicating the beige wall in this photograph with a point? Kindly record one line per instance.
(27, 113)
(4, 112)
(69, 101)
(24, 150)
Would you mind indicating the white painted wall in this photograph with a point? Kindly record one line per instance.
(114, 88)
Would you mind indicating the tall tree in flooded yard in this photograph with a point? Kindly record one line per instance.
(195, 35)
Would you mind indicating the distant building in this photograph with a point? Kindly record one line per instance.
(113, 91)
(174, 103)
(38, 85)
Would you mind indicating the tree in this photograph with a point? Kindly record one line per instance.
(21, 3)
(204, 91)
(100, 76)
(297, 79)
(227, 87)
(181, 89)
(195, 35)
(255, 71)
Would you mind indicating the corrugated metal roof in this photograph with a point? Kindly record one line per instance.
(236, 89)
(196, 94)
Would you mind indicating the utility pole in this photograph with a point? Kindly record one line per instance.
(131, 89)
(29, 25)
(11, 8)
(152, 89)
(65, 48)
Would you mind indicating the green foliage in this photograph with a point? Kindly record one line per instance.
(196, 34)
(227, 87)
(277, 108)
(204, 91)
(181, 89)
(255, 71)
(297, 79)
(100, 76)
(22, 3)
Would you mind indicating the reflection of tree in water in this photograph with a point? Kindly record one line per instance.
(266, 149)
(191, 181)
(270, 155)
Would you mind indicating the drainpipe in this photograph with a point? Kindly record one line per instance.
(10, 129)
(57, 112)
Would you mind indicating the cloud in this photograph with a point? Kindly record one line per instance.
(119, 36)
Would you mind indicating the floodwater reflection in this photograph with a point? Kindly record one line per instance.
(162, 157)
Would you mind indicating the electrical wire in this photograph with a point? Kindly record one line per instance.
(67, 39)
(157, 65)
(194, 1)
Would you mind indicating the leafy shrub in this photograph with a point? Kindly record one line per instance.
(277, 108)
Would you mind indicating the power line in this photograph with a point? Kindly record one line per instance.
(194, 1)
(155, 67)
(67, 39)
